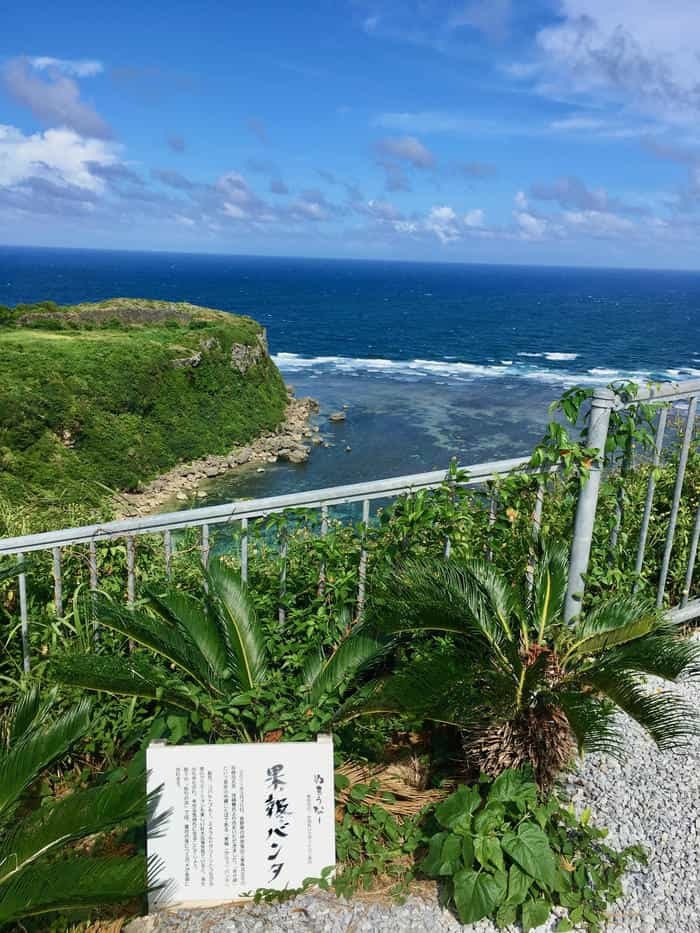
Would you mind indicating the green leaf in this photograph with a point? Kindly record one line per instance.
(451, 856)
(488, 852)
(477, 894)
(530, 849)
(506, 915)
(491, 817)
(518, 885)
(468, 851)
(513, 786)
(564, 925)
(464, 800)
(535, 913)
(433, 860)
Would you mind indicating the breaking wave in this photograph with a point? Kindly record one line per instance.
(454, 371)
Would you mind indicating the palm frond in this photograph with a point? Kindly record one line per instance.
(354, 654)
(435, 595)
(170, 642)
(593, 722)
(666, 717)
(549, 587)
(665, 652)
(439, 688)
(36, 749)
(78, 815)
(133, 676)
(190, 616)
(613, 623)
(29, 712)
(75, 883)
(244, 636)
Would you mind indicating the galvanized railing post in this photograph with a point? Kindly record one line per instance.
(23, 614)
(601, 405)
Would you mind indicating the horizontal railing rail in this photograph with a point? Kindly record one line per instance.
(256, 508)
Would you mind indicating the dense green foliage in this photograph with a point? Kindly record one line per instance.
(307, 660)
(40, 872)
(502, 852)
(521, 684)
(88, 406)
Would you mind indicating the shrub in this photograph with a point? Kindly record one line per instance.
(503, 853)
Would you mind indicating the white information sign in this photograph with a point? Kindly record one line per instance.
(240, 817)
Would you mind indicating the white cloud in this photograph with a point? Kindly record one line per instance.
(79, 68)
(474, 218)
(59, 155)
(54, 101)
(641, 53)
(530, 226)
(407, 149)
(521, 200)
(443, 222)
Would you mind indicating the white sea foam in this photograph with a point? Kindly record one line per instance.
(556, 357)
(455, 371)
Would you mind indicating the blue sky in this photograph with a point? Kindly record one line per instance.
(546, 131)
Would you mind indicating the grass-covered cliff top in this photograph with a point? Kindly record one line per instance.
(100, 397)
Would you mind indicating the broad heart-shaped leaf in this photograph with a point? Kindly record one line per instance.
(451, 856)
(487, 850)
(518, 885)
(489, 818)
(506, 915)
(535, 913)
(432, 861)
(464, 800)
(468, 851)
(530, 849)
(478, 894)
(514, 786)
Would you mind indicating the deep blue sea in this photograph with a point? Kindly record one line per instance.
(432, 359)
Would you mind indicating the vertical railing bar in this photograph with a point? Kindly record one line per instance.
(452, 486)
(204, 545)
(691, 559)
(584, 521)
(322, 568)
(92, 563)
(677, 490)
(92, 566)
(363, 559)
(651, 486)
(244, 550)
(492, 522)
(130, 570)
(536, 527)
(168, 547)
(281, 614)
(57, 581)
(23, 614)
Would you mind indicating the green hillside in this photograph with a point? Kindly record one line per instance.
(100, 397)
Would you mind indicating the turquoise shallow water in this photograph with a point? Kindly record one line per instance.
(432, 360)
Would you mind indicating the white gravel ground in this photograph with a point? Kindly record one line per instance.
(652, 798)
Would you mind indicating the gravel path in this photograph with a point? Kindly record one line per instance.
(651, 798)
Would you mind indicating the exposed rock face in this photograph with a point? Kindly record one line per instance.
(243, 357)
(289, 443)
(337, 416)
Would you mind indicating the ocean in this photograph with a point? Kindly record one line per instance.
(432, 360)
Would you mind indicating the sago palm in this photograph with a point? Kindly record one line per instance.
(213, 644)
(520, 683)
(39, 872)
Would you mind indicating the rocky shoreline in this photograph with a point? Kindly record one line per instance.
(290, 441)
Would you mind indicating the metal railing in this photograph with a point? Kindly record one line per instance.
(604, 401)
(243, 512)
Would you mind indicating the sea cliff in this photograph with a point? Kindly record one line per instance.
(103, 399)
